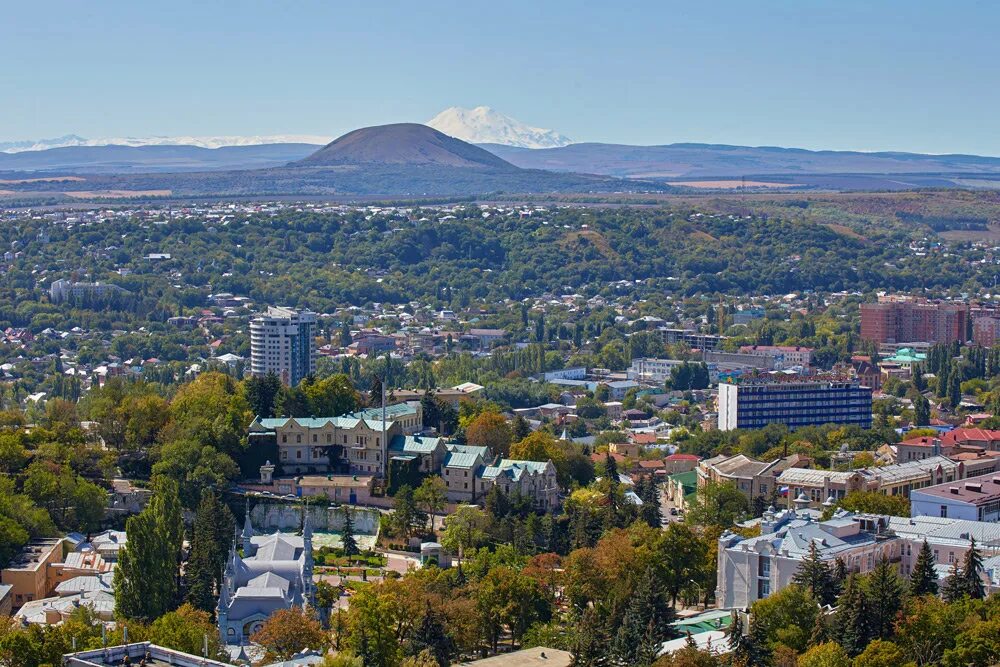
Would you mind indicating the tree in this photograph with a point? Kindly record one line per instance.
(972, 572)
(954, 586)
(212, 536)
(785, 617)
(261, 394)
(405, 513)
(651, 511)
(464, 529)
(520, 429)
(288, 631)
(430, 636)
(185, 630)
(431, 496)
(718, 504)
(644, 626)
(885, 590)
(590, 640)
(923, 578)
(830, 654)
(145, 579)
(921, 410)
(489, 429)
(508, 599)
(873, 502)
(881, 653)
(342, 659)
(816, 576)
(350, 543)
(854, 617)
(423, 659)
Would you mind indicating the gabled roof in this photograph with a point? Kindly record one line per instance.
(462, 460)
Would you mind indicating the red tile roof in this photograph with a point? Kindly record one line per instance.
(683, 457)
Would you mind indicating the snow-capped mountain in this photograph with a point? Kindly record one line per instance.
(484, 125)
(201, 142)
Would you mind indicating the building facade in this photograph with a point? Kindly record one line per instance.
(64, 290)
(750, 569)
(905, 320)
(753, 403)
(275, 572)
(359, 439)
(283, 342)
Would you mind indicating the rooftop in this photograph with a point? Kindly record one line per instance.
(973, 490)
(529, 657)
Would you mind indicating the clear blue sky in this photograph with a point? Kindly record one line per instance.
(914, 75)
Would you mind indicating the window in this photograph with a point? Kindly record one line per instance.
(944, 511)
(298, 453)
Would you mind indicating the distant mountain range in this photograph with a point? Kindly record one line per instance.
(200, 142)
(405, 159)
(409, 158)
(484, 125)
(718, 160)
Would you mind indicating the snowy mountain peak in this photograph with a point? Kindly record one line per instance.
(484, 125)
(201, 142)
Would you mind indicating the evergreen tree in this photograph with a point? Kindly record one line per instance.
(211, 538)
(590, 642)
(923, 579)
(816, 576)
(954, 586)
(854, 617)
(345, 334)
(145, 579)
(262, 394)
(885, 592)
(611, 469)
(347, 535)
(520, 428)
(972, 572)
(738, 642)
(651, 512)
(921, 411)
(646, 622)
(955, 388)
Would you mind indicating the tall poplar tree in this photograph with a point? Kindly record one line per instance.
(146, 578)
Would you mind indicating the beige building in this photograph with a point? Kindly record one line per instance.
(30, 572)
(753, 478)
(305, 444)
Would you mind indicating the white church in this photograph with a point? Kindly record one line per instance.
(275, 572)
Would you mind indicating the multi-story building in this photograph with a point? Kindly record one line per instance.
(782, 356)
(690, 337)
(283, 342)
(817, 487)
(901, 319)
(530, 479)
(30, 573)
(315, 444)
(973, 499)
(64, 290)
(986, 331)
(751, 477)
(795, 402)
(753, 568)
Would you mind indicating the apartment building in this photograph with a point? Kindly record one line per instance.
(782, 356)
(64, 290)
(986, 331)
(902, 319)
(283, 342)
(794, 402)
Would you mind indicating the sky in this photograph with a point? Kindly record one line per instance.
(916, 75)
